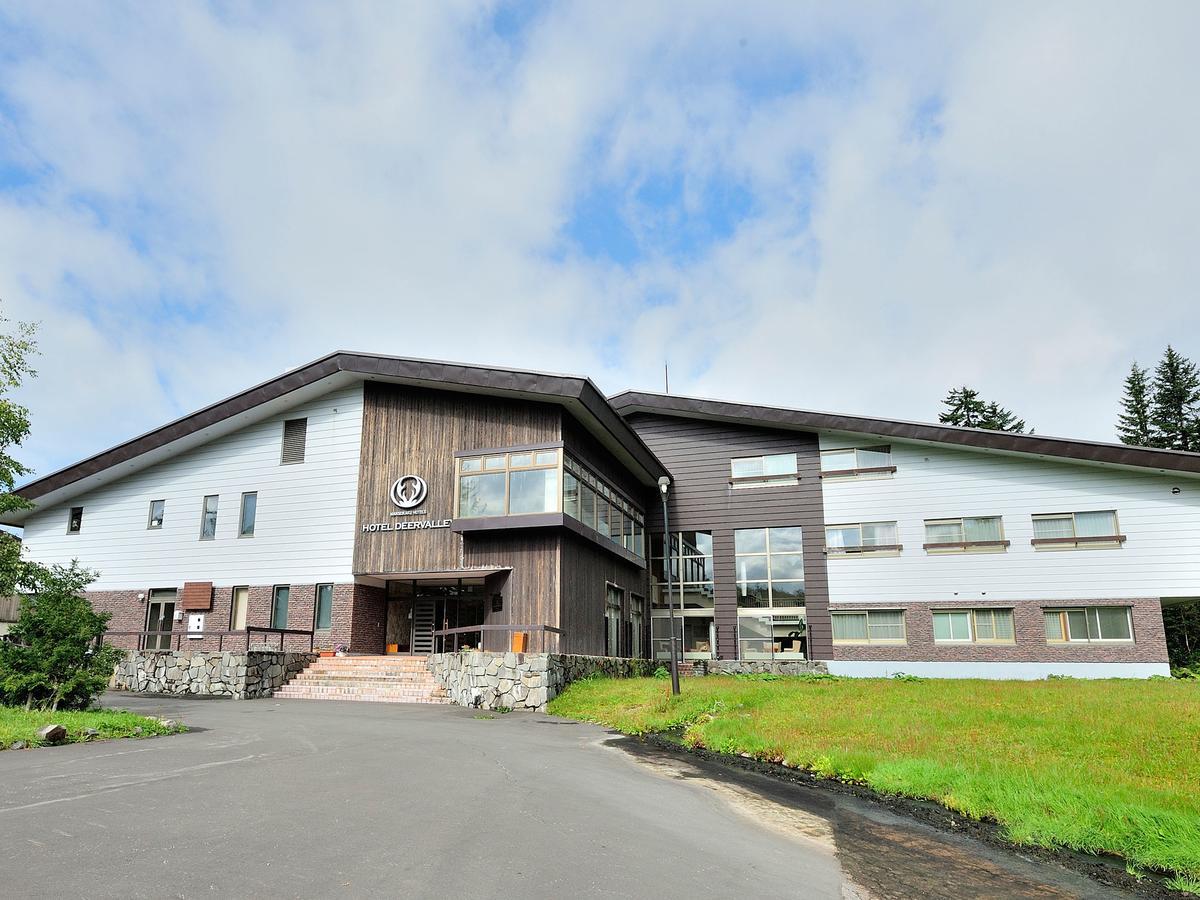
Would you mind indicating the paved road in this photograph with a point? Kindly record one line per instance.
(318, 799)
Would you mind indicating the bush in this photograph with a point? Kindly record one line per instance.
(54, 656)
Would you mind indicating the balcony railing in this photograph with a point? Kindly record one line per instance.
(237, 640)
(457, 634)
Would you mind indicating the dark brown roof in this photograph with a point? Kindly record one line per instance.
(631, 402)
(577, 394)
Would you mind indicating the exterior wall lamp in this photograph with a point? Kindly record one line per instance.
(664, 485)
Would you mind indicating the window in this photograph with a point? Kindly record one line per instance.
(771, 636)
(324, 615)
(601, 507)
(691, 570)
(694, 632)
(978, 533)
(279, 606)
(613, 597)
(637, 625)
(769, 564)
(867, 537)
(295, 437)
(208, 518)
(238, 606)
(854, 461)
(1059, 531)
(1096, 623)
(249, 509)
(508, 484)
(75, 520)
(757, 471)
(875, 626)
(157, 509)
(977, 625)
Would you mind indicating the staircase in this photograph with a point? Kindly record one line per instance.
(377, 679)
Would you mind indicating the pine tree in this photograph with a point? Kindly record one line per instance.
(1133, 424)
(965, 408)
(1175, 405)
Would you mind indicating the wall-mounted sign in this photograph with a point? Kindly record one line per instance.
(408, 491)
(406, 525)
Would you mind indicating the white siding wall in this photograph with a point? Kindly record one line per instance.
(304, 530)
(1160, 559)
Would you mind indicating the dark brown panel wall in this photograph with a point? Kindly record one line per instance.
(414, 431)
(530, 591)
(697, 453)
(586, 571)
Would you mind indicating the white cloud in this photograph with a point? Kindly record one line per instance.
(1006, 198)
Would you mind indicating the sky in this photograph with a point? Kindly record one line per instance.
(831, 206)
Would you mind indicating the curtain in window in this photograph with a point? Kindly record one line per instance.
(1053, 528)
(982, 529)
(1095, 524)
(849, 626)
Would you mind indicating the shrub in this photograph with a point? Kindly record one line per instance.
(54, 657)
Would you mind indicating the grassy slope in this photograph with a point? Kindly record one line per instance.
(1099, 766)
(19, 725)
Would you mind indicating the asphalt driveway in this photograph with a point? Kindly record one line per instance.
(317, 799)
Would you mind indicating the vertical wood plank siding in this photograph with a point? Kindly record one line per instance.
(586, 570)
(697, 452)
(415, 431)
(530, 591)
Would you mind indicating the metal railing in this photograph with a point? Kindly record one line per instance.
(162, 640)
(457, 633)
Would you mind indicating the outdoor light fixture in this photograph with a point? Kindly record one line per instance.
(141, 598)
(664, 483)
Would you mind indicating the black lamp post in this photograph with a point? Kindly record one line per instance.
(664, 484)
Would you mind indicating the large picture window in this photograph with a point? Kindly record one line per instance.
(690, 557)
(508, 484)
(769, 566)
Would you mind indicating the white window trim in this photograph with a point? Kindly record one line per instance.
(939, 548)
(784, 479)
(1101, 542)
(863, 549)
(858, 473)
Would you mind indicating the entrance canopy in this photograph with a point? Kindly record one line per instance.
(380, 579)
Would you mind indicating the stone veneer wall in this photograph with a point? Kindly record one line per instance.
(242, 676)
(522, 680)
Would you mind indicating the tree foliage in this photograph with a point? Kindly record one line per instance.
(965, 408)
(16, 349)
(1175, 410)
(54, 657)
(1133, 423)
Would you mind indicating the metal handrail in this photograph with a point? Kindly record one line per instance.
(247, 632)
(470, 629)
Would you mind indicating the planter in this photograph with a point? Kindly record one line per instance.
(325, 653)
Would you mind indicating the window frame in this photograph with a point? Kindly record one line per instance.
(972, 612)
(507, 470)
(275, 589)
(1065, 625)
(752, 481)
(767, 554)
(868, 640)
(204, 516)
(317, 626)
(611, 590)
(859, 470)
(74, 522)
(862, 549)
(964, 546)
(1075, 541)
(150, 526)
(242, 533)
(233, 593)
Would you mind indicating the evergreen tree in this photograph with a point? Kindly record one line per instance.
(965, 408)
(1175, 405)
(1133, 424)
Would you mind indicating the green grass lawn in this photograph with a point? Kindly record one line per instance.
(1099, 766)
(19, 725)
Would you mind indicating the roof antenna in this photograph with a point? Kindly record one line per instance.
(666, 379)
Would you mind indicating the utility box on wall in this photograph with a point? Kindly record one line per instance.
(195, 625)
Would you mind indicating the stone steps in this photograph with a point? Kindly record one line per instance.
(378, 679)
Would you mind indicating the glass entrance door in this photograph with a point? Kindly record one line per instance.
(160, 616)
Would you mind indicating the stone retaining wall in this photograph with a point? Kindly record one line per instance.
(242, 676)
(757, 667)
(522, 680)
